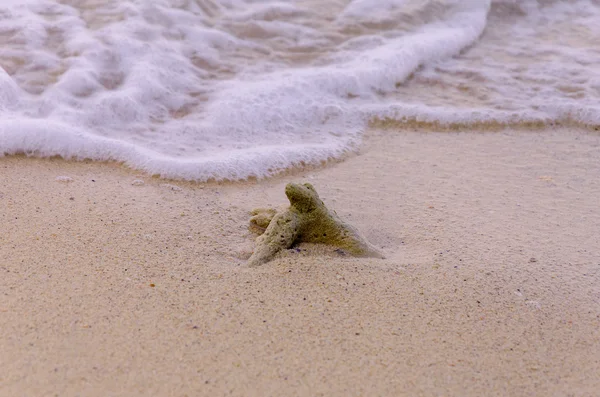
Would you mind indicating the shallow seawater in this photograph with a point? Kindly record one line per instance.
(233, 89)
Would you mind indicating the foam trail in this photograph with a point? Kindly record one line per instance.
(52, 139)
(535, 64)
(230, 90)
(199, 92)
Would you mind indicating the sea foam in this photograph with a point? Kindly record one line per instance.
(244, 88)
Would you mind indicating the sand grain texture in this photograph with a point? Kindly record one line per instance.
(491, 284)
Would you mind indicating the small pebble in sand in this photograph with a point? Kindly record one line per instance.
(64, 179)
(534, 304)
(172, 187)
(137, 182)
(532, 260)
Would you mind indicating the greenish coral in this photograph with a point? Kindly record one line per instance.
(261, 217)
(306, 220)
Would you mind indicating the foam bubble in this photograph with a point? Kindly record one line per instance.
(9, 92)
(64, 179)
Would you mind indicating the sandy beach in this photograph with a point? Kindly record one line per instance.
(115, 283)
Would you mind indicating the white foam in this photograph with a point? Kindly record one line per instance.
(536, 62)
(64, 179)
(240, 88)
(368, 11)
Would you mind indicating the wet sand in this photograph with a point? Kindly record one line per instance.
(491, 285)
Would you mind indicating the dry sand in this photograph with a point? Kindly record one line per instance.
(491, 284)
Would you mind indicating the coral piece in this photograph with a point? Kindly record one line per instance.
(306, 220)
(261, 219)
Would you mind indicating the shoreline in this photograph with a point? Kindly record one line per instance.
(491, 284)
